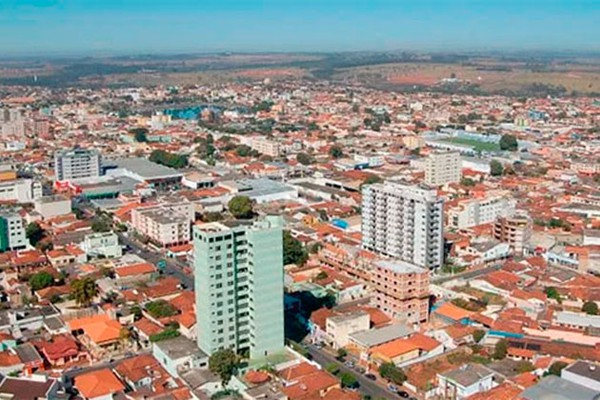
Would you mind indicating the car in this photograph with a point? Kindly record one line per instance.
(403, 394)
(319, 345)
(392, 388)
(371, 377)
(349, 364)
(359, 369)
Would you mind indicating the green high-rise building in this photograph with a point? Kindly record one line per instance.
(239, 286)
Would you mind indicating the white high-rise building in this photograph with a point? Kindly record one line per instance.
(403, 221)
(76, 164)
(442, 168)
(473, 212)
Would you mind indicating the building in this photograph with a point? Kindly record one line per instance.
(53, 206)
(403, 221)
(583, 373)
(401, 290)
(514, 230)
(76, 164)
(12, 230)
(20, 190)
(553, 387)
(465, 381)
(154, 175)
(102, 244)
(266, 146)
(166, 224)
(473, 212)
(239, 286)
(339, 327)
(442, 168)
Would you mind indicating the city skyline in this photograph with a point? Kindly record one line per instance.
(71, 27)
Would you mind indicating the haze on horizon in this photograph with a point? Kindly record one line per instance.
(30, 27)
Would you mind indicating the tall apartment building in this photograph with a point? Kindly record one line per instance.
(12, 230)
(442, 168)
(76, 164)
(165, 224)
(401, 290)
(514, 230)
(473, 212)
(403, 221)
(239, 286)
(20, 190)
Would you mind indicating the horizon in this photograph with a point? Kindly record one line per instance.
(157, 27)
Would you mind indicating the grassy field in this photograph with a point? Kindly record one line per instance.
(478, 146)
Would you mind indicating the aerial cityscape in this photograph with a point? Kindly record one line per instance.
(299, 200)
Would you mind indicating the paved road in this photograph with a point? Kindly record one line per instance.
(173, 268)
(372, 388)
(467, 275)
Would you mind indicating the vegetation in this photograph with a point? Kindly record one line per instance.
(590, 308)
(467, 182)
(102, 222)
(246, 151)
(304, 159)
(223, 363)
(478, 335)
(371, 179)
(500, 349)
(84, 290)
(241, 207)
(349, 380)
(41, 280)
(168, 159)
(524, 366)
(552, 293)
(332, 368)
(161, 309)
(509, 142)
(556, 368)
(293, 251)
(341, 353)
(206, 148)
(468, 304)
(34, 233)
(168, 333)
(336, 152)
(139, 134)
(212, 217)
(392, 373)
(496, 168)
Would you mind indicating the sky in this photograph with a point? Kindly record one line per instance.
(30, 27)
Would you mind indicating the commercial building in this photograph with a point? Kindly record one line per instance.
(401, 290)
(53, 206)
(20, 190)
(165, 224)
(442, 168)
(76, 164)
(12, 230)
(102, 244)
(465, 381)
(239, 286)
(514, 230)
(473, 212)
(143, 170)
(403, 221)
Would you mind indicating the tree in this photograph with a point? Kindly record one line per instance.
(371, 179)
(392, 373)
(500, 349)
(496, 168)
(161, 309)
(341, 353)
(556, 368)
(212, 217)
(336, 152)
(332, 368)
(552, 293)
(84, 290)
(509, 142)
(293, 251)
(41, 280)
(241, 207)
(101, 224)
(524, 366)
(467, 182)
(590, 308)
(167, 159)
(243, 150)
(349, 380)
(224, 363)
(304, 159)
(140, 134)
(478, 335)
(34, 233)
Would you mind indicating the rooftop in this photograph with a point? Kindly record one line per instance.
(179, 347)
(375, 337)
(555, 388)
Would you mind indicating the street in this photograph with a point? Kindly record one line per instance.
(367, 386)
(467, 275)
(73, 372)
(173, 267)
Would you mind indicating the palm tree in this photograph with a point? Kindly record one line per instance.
(84, 290)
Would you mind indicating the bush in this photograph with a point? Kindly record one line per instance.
(41, 280)
(161, 309)
(349, 380)
(168, 333)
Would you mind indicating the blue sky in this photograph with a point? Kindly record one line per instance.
(157, 26)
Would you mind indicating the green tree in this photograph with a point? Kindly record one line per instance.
(552, 293)
(212, 217)
(336, 152)
(161, 309)
(223, 363)
(241, 207)
(140, 134)
(293, 251)
(349, 380)
(496, 168)
(590, 308)
(478, 335)
(168, 159)
(332, 368)
(101, 224)
(509, 142)
(84, 290)
(556, 368)
(392, 373)
(304, 159)
(341, 353)
(34, 233)
(371, 179)
(467, 182)
(41, 280)
(524, 366)
(500, 349)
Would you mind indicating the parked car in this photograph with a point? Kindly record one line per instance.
(392, 388)
(349, 364)
(403, 394)
(371, 377)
